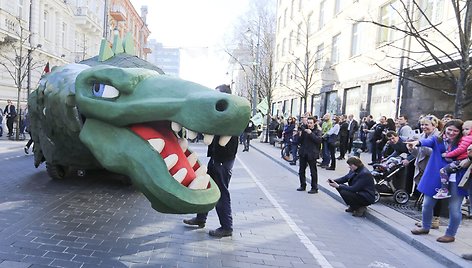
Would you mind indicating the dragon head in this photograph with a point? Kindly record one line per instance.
(131, 117)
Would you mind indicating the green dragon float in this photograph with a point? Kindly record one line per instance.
(120, 113)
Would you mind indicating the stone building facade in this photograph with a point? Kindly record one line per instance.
(60, 32)
(354, 63)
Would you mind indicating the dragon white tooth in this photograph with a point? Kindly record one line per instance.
(157, 144)
(183, 144)
(224, 140)
(176, 127)
(171, 160)
(192, 159)
(191, 135)
(202, 170)
(200, 182)
(208, 138)
(180, 175)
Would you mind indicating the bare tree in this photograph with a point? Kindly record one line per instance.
(255, 36)
(305, 64)
(16, 58)
(448, 53)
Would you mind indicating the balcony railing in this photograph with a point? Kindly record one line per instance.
(118, 12)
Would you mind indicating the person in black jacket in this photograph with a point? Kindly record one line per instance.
(310, 143)
(360, 189)
(343, 137)
(10, 113)
(247, 135)
(220, 168)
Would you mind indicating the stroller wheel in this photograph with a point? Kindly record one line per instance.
(401, 197)
(377, 196)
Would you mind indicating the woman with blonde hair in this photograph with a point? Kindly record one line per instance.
(429, 125)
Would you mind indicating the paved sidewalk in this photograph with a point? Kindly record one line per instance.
(393, 221)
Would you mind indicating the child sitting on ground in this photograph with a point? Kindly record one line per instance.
(459, 154)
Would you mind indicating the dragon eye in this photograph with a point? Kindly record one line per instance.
(105, 91)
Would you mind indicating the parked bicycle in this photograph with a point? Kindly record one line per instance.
(286, 152)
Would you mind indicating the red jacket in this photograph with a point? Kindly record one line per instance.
(460, 152)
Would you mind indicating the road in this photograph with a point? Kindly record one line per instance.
(95, 221)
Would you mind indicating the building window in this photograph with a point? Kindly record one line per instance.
(20, 8)
(300, 4)
(389, 17)
(433, 9)
(321, 19)
(335, 49)
(299, 33)
(319, 57)
(298, 68)
(309, 24)
(63, 35)
(290, 40)
(285, 18)
(277, 51)
(338, 6)
(284, 46)
(291, 9)
(45, 24)
(281, 77)
(289, 67)
(356, 44)
(278, 24)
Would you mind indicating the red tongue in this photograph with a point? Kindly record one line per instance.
(163, 131)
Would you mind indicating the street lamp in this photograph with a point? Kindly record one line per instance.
(256, 70)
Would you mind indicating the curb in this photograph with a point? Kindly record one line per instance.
(441, 256)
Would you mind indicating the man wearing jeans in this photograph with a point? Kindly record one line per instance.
(220, 168)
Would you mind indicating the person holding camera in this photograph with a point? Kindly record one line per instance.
(310, 143)
(359, 192)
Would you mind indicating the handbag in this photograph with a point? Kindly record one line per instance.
(333, 140)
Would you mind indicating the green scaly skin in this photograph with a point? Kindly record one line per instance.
(73, 127)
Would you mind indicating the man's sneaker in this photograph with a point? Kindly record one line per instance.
(442, 193)
(26, 150)
(221, 232)
(196, 222)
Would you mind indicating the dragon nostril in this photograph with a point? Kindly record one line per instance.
(221, 105)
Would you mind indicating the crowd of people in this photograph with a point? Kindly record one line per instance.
(436, 154)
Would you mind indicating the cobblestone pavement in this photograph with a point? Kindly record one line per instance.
(96, 221)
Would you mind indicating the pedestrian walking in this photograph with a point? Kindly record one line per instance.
(247, 135)
(10, 113)
(360, 189)
(310, 142)
(1, 122)
(28, 130)
(220, 169)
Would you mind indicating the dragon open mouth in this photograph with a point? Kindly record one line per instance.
(181, 162)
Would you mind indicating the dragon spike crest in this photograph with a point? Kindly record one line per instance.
(119, 46)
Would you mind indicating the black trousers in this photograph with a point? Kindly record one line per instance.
(354, 200)
(343, 145)
(332, 154)
(304, 162)
(349, 143)
(10, 121)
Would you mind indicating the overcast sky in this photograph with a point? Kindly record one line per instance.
(199, 28)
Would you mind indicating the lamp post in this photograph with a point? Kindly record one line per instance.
(256, 70)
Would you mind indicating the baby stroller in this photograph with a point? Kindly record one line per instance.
(388, 180)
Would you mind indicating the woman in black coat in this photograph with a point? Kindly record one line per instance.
(360, 189)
